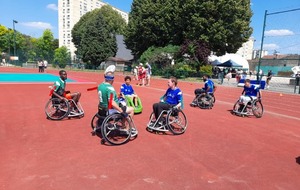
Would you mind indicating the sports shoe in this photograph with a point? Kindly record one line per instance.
(151, 124)
(162, 121)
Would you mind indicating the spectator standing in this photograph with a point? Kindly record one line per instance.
(45, 62)
(135, 73)
(228, 76)
(40, 66)
(221, 75)
(269, 77)
(141, 74)
(148, 73)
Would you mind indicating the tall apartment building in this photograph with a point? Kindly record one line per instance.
(246, 50)
(70, 12)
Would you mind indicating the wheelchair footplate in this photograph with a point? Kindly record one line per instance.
(245, 112)
(160, 126)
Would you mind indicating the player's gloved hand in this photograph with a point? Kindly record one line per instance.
(124, 114)
(174, 108)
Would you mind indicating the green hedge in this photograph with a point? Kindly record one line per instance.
(180, 71)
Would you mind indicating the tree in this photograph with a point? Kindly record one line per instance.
(114, 21)
(62, 57)
(7, 43)
(28, 49)
(80, 28)
(163, 55)
(196, 52)
(224, 24)
(97, 43)
(94, 35)
(151, 23)
(97, 27)
(45, 48)
(5, 38)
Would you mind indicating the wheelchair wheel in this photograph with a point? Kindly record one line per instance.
(213, 98)
(257, 108)
(116, 129)
(203, 103)
(57, 109)
(236, 107)
(199, 101)
(176, 121)
(97, 121)
(94, 121)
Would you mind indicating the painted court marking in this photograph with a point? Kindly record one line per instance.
(34, 78)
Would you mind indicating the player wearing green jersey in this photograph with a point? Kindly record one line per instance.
(108, 99)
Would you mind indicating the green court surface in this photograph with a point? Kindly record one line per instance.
(29, 77)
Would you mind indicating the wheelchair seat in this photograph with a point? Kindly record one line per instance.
(129, 102)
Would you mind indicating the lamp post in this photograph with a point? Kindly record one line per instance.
(14, 22)
(263, 36)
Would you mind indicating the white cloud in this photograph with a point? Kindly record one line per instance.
(283, 32)
(38, 25)
(271, 46)
(52, 7)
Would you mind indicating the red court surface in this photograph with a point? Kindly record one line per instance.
(219, 151)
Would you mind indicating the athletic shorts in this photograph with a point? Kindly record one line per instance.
(68, 96)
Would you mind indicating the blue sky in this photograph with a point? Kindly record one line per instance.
(282, 30)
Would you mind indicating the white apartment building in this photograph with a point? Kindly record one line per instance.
(70, 12)
(246, 50)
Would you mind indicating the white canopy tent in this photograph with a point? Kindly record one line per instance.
(235, 58)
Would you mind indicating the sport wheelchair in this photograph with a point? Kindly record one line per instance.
(57, 109)
(254, 107)
(113, 128)
(172, 120)
(203, 102)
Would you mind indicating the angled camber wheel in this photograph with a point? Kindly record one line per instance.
(57, 109)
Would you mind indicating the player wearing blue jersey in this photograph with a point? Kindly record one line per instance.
(250, 93)
(172, 98)
(127, 90)
(208, 89)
